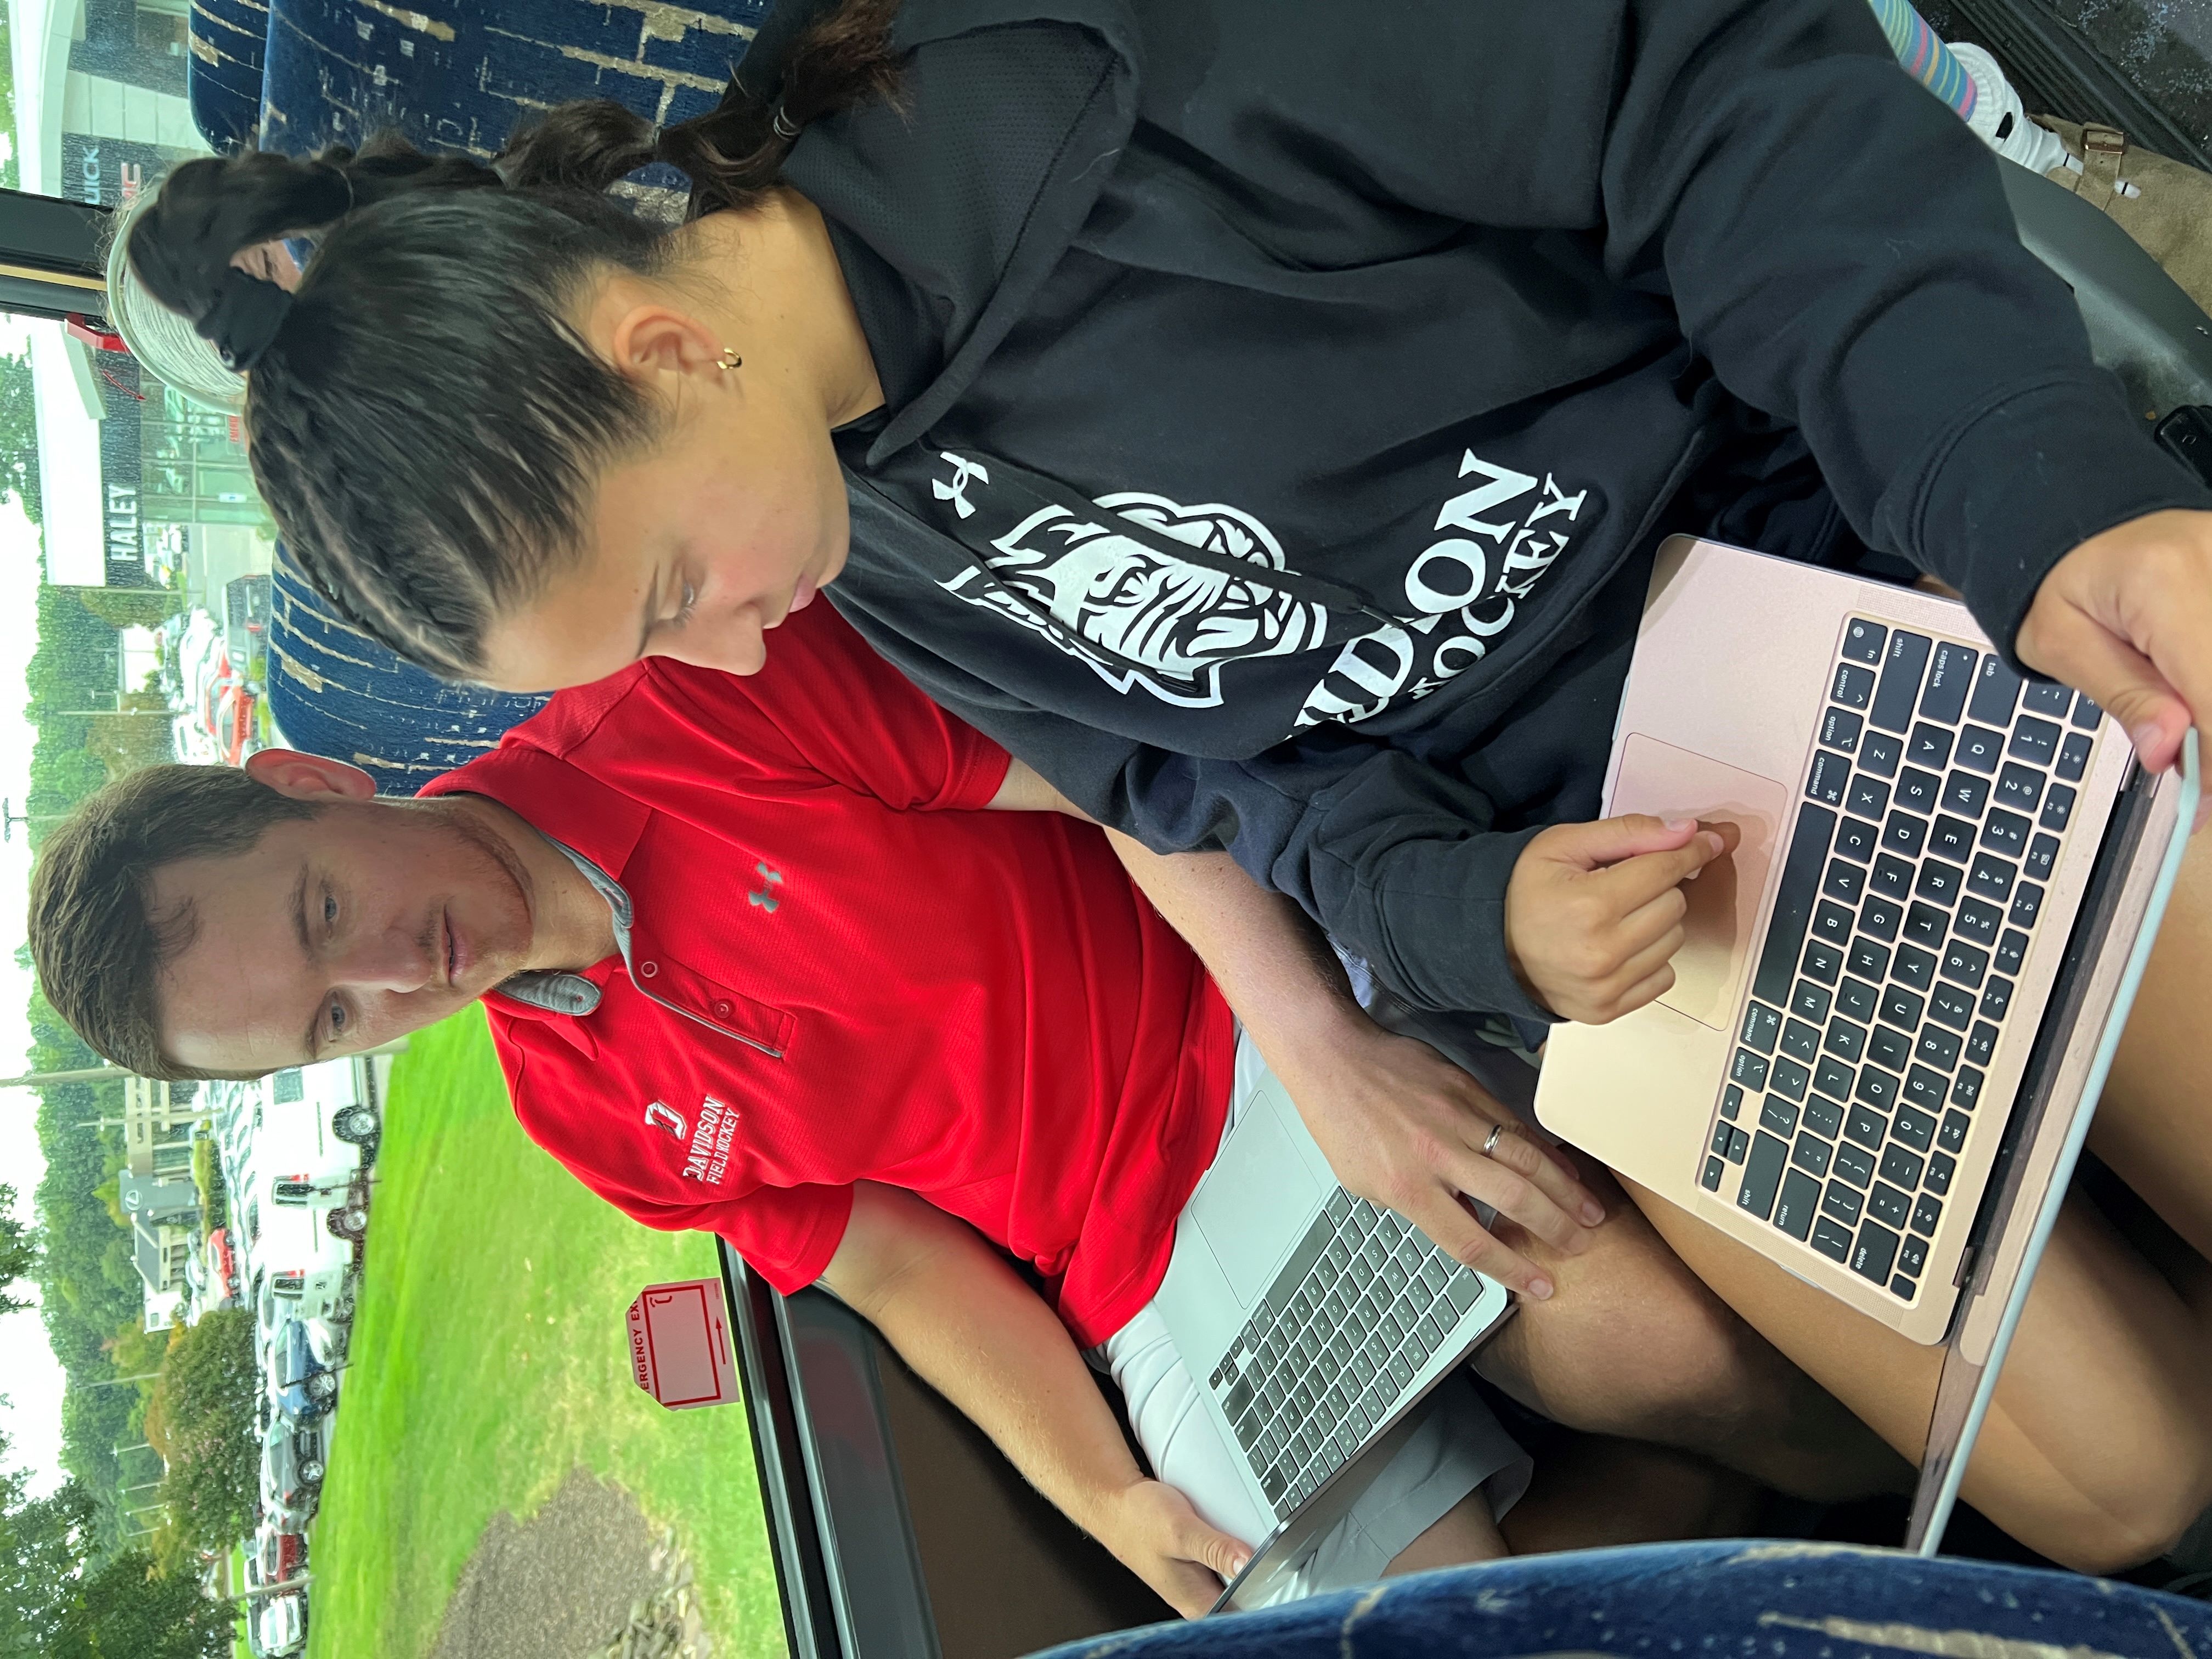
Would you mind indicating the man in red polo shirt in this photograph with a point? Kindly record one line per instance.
(755, 964)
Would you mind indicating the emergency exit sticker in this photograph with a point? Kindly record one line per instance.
(679, 1345)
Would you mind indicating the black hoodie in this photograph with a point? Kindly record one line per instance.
(1283, 402)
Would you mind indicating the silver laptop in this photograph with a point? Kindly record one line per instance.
(1893, 1012)
(1315, 1324)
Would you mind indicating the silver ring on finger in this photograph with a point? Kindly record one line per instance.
(1489, 1141)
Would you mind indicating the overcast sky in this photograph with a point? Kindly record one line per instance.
(29, 1378)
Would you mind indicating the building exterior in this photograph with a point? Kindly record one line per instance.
(157, 1131)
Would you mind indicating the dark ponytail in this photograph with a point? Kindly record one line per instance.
(424, 422)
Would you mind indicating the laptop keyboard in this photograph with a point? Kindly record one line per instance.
(1934, 810)
(1351, 1318)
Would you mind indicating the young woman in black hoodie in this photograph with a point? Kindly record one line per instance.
(1393, 351)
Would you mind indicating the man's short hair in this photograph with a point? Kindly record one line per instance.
(98, 948)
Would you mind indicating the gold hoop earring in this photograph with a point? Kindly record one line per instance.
(729, 360)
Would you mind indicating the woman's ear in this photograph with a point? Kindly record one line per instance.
(647, 339)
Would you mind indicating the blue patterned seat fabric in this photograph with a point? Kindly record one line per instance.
(333, 691)
(458, 74)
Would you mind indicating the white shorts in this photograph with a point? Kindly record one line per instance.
(1461, 1446)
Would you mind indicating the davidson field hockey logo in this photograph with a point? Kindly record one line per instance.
(1136, 617)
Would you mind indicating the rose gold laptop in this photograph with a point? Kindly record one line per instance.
(1944, 876)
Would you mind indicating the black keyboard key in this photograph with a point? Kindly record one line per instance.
(1749, 1069)
(2042, 854)
(1978, 920)
(1844, 881)
(1940, 1167)
(1901, 1167)
(1853, 687)
(1869, 1128)
(2074, 756)
(1980, 749)
(1790, 1077)
(1823, 962)
(1926, 1213)
(1912, 1257)
(1830, 1240)
(2012, 951)
(1991, 878)
(1881, 754)
(1951, 1005)
(1981, 1042)
(1926, 925)
(1915, 967)
(1842, 1203)
(1889, 1050)
(1800, 1197)
(1900, 1006)
(1778, 1115)
(1863, 640)
(1855, 1165)
(1876, 1249)
(1893, 876)
(1914, 1127)
(2019, 787)
(2057, 807)
(1869, 961)
(1966, 1089)
(1876, 1087)
(1952, 838)
(1902, 665)
(1997, 691)
(2033, 741)
(1824, 1117)
(2087, 715)
(1996, 998)
(1929, 745)
(1950, 677)
(1887, 1204)
(1867, 797)
(1761, 1025)
(1832, 922)
(2027, 904)
(1858, 999)
(1810, 1002)
(1953, 1135)
(1811, 1153)
(1965, 964)
(1711, 1179)
(1939, 883)
(2006, 832)
(1839, 730)
(1902, 1288)
(1856, 839)
(1938, 1047)
(1923, 1088)
(1738, 1143)
(1918, 792)
(1830, 776)
(2046, 697)
(1801, 1041)
(1762, 1176)
(1965, 793)
(1905, 834)
(1881, 917)
(1834, 1078)
(1793, 902)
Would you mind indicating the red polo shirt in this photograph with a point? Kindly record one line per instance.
(845, 972)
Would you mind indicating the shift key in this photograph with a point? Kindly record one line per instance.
(1762, 1175)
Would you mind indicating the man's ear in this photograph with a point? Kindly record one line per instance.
(309, 777)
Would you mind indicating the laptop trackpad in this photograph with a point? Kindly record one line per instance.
(1254, 1202)
(1666, 781)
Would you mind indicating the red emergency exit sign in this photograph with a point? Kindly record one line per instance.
(679, 1344)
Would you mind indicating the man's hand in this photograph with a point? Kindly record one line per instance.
(1594, 911)
(2127, 618)
(1155, 1533)
(1403, 1128)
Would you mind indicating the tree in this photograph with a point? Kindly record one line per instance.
(19, 432)
(129, 607)
(18, 1251)
(41, 1542)
(202, 1420)
(127, 1607)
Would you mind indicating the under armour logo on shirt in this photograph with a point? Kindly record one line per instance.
(955, 490)
(766, 899)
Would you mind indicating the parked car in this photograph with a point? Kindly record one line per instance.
(299, 1384)
(280, 1626)
(292, 1464)
(277, 1554)
(298, 1262)
(328, 1341)
(222, 1264)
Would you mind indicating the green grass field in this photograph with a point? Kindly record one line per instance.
(488, 1360)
